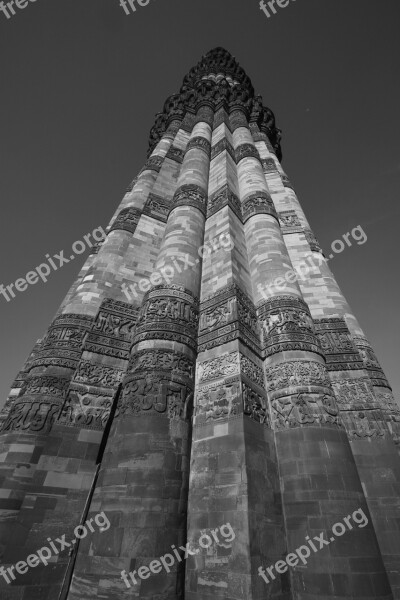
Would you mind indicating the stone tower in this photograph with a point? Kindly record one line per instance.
(192, 379)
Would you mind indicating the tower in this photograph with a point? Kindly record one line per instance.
(197, 376)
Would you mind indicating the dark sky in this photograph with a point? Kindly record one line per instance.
(81, 82)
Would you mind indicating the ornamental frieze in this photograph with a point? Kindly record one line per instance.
(258, 203)
(46, 385)
(287, 324)
(152, 395)
(220, 147)
(222, 366)
(246, 151)
(298, 373)
(255, 405)
(217, 316)
(200, 143)
(86, 410)
(365, 424)
(305, 409)
(290, 221)
(190, 195)
(175, 154)
(164, 304)
(337, 344)
(126, 220)
(269, 165)
(154, 163)
(157, 208)
(95, 374)
(224, 197)
(218, 401)
(351, 393)
(36, 417)
(162, 360)
(251, 370)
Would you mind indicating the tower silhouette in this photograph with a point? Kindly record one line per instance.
(204, 369)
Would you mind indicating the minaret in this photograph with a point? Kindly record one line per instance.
(193, 388)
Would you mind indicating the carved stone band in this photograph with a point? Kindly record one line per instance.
(258, 203)
(190, 195)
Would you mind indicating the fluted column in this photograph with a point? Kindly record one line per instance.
(319, 479)
(146, 462)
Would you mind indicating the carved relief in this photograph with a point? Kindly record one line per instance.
(296, 373)
(258, 203)
(168, 312)
(31, 416)
(86, 410)
(150, 394)
(127, 220)
(254, 405)
(364, 424)
(305, 409)
(290, 220)
(218, 401)
(287, 325)
(371, 362)
(354, 392)
(201, 143)
(251, 370)
(162, 360)
(337, 344)
(45, 385)
(269, 165)
(217, 316)
(224, 197)
(157, 208)
(191, 195)
(175, 154)
(154, 163)
(96, 374)
(222, 145)
(225, 365)
(246, 151)
(235, 318)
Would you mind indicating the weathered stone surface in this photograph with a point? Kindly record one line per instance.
(189, 396)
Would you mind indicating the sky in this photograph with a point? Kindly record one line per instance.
(82, 82)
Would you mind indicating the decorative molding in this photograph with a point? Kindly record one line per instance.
(305, 409)
(220, 147)
(176, 154)
(157, 208)
(297, 373)
(127, 220)
(337, 344)
(246, 151)
(256, 204)
(287, 325)
(370, 362)
(168, 312)
(290, 222)
(224, 197)
(154, 163)
(97, 374)
(190, 195)
(200, 143)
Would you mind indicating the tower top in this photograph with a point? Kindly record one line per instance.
(217, 81)
(218, 64)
